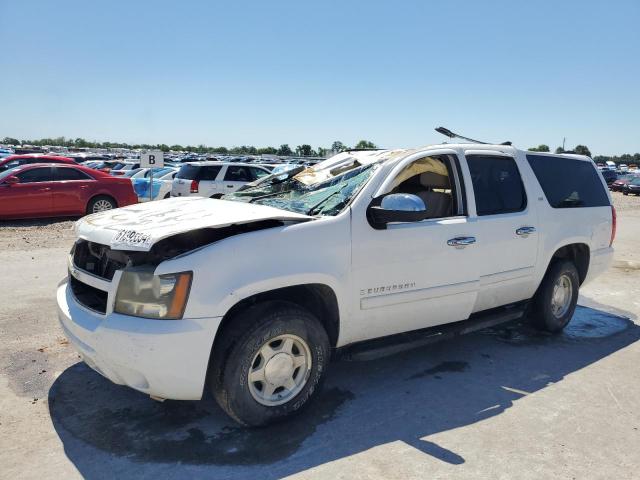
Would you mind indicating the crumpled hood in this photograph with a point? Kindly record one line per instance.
(138, 227)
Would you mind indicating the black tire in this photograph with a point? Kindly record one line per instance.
(95, 202)
(541, 313)
(234, 356)
(625, 193)
(217, 196)
(167, 195)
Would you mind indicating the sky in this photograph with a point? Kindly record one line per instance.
(268, 73)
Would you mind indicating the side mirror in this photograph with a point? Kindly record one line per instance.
(11, 180)
(396, 207)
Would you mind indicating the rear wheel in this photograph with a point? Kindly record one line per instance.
(269, 364)
(101, 203)
(556, 299)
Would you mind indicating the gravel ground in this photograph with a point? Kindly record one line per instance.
(38, 233)
(629, 204)
(501, 403)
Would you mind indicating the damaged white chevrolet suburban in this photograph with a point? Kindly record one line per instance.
(250, 295)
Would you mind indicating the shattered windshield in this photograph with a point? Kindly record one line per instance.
(310, 192)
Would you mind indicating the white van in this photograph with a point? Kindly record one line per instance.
(214, 179)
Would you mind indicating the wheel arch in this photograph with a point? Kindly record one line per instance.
(320, 299)
(579, 253)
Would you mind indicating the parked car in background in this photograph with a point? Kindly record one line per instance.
(124, 167)
(109, 165)
(624, 168)
(621, 181)
(632, 186)
(161, 187)
(46, 190)
(609, 176)
(214, 179)
(131, 173)
(15, 160)
(280, 172)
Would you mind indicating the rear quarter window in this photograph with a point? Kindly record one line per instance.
(568, 182)
(188, 172)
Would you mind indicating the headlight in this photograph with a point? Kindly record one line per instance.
(143, 294)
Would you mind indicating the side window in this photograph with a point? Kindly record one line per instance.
(238, 174)
(258, 173)
(70, 174)
(497, 185)
(569, 183)
(44, 174)
(433, 180)
(209, 172)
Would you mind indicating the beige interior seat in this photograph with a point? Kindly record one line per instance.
(438, 203)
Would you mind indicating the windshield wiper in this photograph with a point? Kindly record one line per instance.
(322, 202)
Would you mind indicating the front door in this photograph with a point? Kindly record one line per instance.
(416, 274)
(32, 196)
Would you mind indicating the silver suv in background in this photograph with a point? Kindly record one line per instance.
(214, 179)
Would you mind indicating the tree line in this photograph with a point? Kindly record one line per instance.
(304, 150)
(627, 158)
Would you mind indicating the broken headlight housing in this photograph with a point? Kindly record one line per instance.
(143, 294)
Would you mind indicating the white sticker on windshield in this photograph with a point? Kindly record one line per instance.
(131, 238)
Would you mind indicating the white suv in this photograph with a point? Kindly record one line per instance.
(214, 179)
(251, 294)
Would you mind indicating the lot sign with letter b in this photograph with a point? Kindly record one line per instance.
(154, 159)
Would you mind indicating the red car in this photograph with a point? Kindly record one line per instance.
(45, 190)
(618, 185)
(15, 160)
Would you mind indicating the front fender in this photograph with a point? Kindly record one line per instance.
(238, 267)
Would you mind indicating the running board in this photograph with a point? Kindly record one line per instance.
(383, 347)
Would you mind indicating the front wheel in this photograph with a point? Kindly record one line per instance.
(270, 362)
(556, 299)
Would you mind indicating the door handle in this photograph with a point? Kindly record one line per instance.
(229, 186)
(45, 189)
(461, 242)
(525, 231)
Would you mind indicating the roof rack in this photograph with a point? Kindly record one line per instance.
(448, 133)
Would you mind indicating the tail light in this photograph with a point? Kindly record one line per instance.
(614, 224)
(194, 186)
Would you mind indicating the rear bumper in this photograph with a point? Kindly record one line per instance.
(164, 358)
(600, 261)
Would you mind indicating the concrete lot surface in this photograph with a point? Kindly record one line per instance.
(501, 403)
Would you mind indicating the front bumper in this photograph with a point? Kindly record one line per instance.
(163, 358)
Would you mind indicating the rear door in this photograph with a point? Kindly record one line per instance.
(237, 176)
(209, 181)
(506, 227)
(32, 196)
(70, 190)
